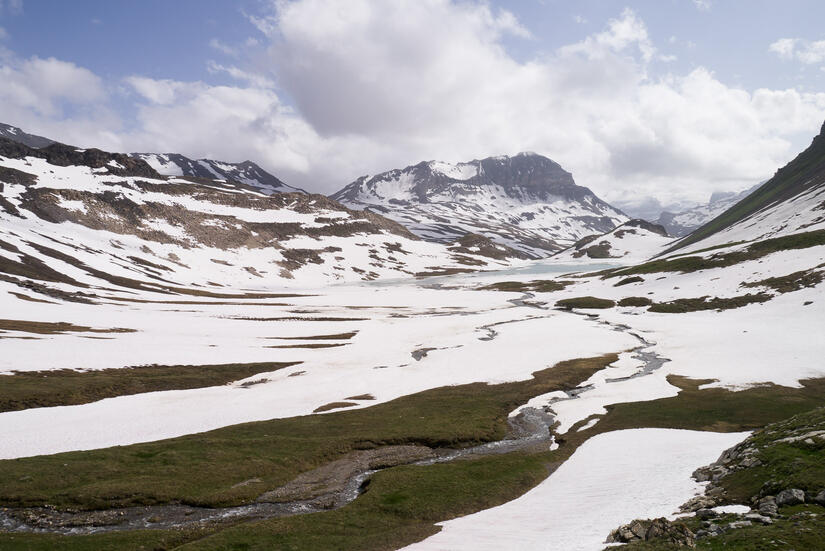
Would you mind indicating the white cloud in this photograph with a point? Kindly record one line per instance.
(621, 33)
(809, 53)
(42, 85)
(224, 122)
(784, 47)
(702, 5)
(579, 19)
(57, 98)
(224, 48)
(366, 93)
(161, 92)
(253, 79)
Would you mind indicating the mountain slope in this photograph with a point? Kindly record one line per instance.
(246, 172)
(526, 202)
(633, 241)
(679, 224)
(15, 134)
(88, 218)
(792, 201)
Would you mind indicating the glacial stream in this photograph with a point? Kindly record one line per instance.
(530, 429)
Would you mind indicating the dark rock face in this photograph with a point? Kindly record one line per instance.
(649, 226)
(60, 154)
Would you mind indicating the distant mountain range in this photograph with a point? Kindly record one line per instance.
(246, 172)
(681, 223)
(527, 202)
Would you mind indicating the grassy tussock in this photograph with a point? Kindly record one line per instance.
(65, 387)
(585, 302)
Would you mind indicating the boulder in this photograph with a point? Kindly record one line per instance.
(820, 497)
(739, 524)
(767, 506)
(698, 502)
(791, 496)
(756, 517)
(704, 514)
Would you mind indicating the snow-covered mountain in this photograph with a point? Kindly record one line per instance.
(15, 134)
(681, 223)
(527, 202)
(82, 218)
(246, 172)
(634, 241)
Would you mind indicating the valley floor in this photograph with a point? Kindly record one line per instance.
(351, 401)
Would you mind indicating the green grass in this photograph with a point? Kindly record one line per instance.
(784, 464)
(203, 469)
(399, 507)
(63, 387)
(791, 282)
(537, 286)
(635, 301)
(401, 504)
(682, 305)
(715, 409)
(143, 540)
(585, 302)
(628, 281)
(753, 251)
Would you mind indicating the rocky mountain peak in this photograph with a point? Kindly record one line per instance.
(525, 201)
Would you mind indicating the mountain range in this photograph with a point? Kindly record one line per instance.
(89, 217)
(246, 172)
(682, 222)
(527, 202)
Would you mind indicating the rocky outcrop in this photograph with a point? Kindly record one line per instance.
(661, 529)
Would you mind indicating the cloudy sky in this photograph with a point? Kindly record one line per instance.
(670, 99)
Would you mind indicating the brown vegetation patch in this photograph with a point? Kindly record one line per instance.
(361, 397)
(682, 305)
(309, 346)
(587, 302)
(537, 286)
(337, 336)
(635, 301)
(791, 282)
(333, 405)
(54, 328)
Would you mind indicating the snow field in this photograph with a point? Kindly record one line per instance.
(604, 484)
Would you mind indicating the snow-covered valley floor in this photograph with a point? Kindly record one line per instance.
(386, 340)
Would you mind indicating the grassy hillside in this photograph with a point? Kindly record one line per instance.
(806, 171)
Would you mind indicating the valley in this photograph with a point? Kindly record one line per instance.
(192, 363)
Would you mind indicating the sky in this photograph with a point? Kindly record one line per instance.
(648, 103)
